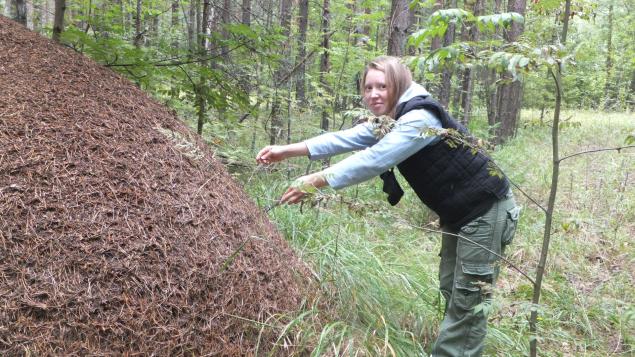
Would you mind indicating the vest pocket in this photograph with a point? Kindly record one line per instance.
(510, 225)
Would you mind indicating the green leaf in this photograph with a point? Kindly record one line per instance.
(546, 5)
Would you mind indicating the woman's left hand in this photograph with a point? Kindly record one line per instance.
(302, 187)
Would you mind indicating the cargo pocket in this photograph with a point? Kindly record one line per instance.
(474, 236)
(473, 286)
(466, 295)
(510, 225)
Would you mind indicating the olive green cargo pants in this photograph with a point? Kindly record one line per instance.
(467, 275)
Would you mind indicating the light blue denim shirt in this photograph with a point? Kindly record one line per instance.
(376, 155)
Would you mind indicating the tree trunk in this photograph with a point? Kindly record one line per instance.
(446, 75)
(191, 26)
(246, 12)
(30, 14)
(245, 77)
(126, 16)
(225, 20)
(138, 34)
(436, 41)
(153, 31)
(17, 10)
(202, 37)
(200, 89)
(324, 61)
(609, 62)
(540, 270)
(565, 25)
(174, 22)
(58, 21)
(300, 85)
(46, 11)
(398, 25)
(279, 74)
(467, 82)
(510, 94)
(490, 85)
(199, 23)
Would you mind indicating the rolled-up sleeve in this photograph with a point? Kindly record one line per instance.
(406, 138)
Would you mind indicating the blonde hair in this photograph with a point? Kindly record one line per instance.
(398, 78)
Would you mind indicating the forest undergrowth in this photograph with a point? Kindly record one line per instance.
(377, 265)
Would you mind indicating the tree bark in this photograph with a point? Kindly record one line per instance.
(30, 14)
(446, 75)
(174, 21)
(324, 61)
(467, 82)
(490, 85)
(398, 25)
(436, 41)
(246, 12)
(510, 94)
(18, 11)
(225, 20)
(200, 89)
(300, 83)
(365, 28)
(285, 23)
(191, 26)
(565, 25)
(46, 11)
(58, 21)
(199, 23)
(205, 27)
(138, 34)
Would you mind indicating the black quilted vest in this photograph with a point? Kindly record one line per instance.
(452, 180)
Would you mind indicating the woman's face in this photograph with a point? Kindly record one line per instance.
(376, 92)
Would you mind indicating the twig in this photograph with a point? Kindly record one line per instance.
(618, 149)
(272, 206)
(480, 246)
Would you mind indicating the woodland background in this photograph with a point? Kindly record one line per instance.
(249, 73)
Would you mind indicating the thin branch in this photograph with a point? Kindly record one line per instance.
(482, 247)
(597, 150)
(295, 68)
(174, 64)
(321, 196)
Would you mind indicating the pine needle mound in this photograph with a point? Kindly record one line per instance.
(119, 231)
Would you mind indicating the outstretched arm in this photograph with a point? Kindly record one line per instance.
(275, 153)
(296, 192)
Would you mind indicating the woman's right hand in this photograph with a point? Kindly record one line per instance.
(270, 154)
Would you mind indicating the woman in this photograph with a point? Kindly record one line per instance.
(452, 180)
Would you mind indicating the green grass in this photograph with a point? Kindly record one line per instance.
(377, 270)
